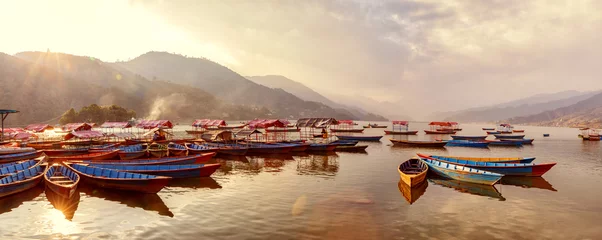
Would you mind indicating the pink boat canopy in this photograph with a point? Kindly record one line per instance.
(402, 123)
(116, 125)
(13, 130)
(148, 124)
(76, 127)
(266, 123)
(443, 124)
(23, 136)
(39, 127)
(205, 123)
(84, 134)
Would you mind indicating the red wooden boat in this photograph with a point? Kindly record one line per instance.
(347, 130)
(174, 171)
(440, 131)
(90, 156)
(401, 132)
(518, 130)
(6, 158)
(200, 148)
(418, 143)
(103, 147)
(64, 151)
(44, 144)
(22, 181)
(192, 159)
(107, 178)
(61, 180)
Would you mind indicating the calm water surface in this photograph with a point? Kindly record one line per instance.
(337, 196)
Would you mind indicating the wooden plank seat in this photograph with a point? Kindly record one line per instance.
(63, 182)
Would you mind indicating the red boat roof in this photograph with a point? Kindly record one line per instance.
(440, 124)
(83, 134)
(204, 123)
(116, 125)
(39, 127)
(148, 124)
(266, 123)
(77, 127)
(400, 123)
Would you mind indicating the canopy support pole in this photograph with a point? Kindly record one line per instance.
(4, 115)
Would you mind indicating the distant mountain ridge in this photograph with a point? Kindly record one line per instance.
(522, 107)
(300, 90)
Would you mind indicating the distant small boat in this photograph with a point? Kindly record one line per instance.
(61, 180)
(502, 136)
(90, 156)
(481, 159)
(473, 138)
(518, 130)
(546, 134)
(467, 143)
(295, 147)
(493, 132)
(419, 143)
(359, 148)
(462, 173)
(107, 178)
(412, 171)
(174, 171)
(510, 169)
(347, 130)
(505, 143)
(401, 132)
(522, 141)
(263, 148)
(440, 131)
(174, 149)
(361, 138)
(340, 142)
(488, 129)
(321, 147)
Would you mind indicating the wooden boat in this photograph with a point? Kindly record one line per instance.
(493, 132)
(488, 129)
(503, 136)
(469, 188)
(174, 149)
(200, 148)
(509, 169)
(296, 147)
(401, 132)
(191, 159)
(132, 151)
(412, 171)
(6, 158)
(103, 147)
(157, 150)
(546, 135)
(440, 131)
(44, 145)
(262, 148)
(340, 142)
(437, 143)
(195, 132)
(594, 137)
(107, 178)
(61, 180)
(467, 143)
(518, 130)
(347, 130)
(360, 138)
(481, 159)
(411, 194)
(462, 173)
(505, 132)
(90, 156)
(504, 143)
(472, 138)
(378, 126)
(342, 148)
(231, 149)
(14, 150)
(321, 147)
(21, 181)
(522, 141)
(10, 168)
(174, 171)
(80, 143)
(283, 130)
(65, 151)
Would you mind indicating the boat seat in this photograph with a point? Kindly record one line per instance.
(58, 177)
(61, 182)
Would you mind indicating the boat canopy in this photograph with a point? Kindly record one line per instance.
(148, 124)
(316, 122)
(76, 127)
(285, 121)
(246, 132)
(403, 123)
(38, 127)
(116, 125)
(23, 136)
(84, 134)
(217, 135)
(443, 124)
(204, 123)
(266, 123)
(13, 130)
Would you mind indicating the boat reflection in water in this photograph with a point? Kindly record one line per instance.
(252, 165)
(411, 194)
(321, 164)
(466, 187)
(67, 206)
(527, 182)
(13, 201)
(194, 183)
(149, 202)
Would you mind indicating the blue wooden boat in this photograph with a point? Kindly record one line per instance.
(200, 148)
(21, 181)
(7, 158)
(132, 151)
(174, 149)
(191, 159)
(8, 169)
(61, 180)
(481, 159)
(522, 141)
(295, 147)
(462, 173)
(546, 135)
(231, 149)
(360, 138)
(321, 147)
(263, 148)
(505, 143)
(493, 132)
(174, 171)
(107, 178)
(508, 136)
(488, 129)
(467, 143)
(472, 138)
(509, 169)
(345, 142)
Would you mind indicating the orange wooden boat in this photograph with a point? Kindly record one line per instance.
(90, 156)
(412, 172)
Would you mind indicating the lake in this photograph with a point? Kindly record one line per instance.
(338, 196)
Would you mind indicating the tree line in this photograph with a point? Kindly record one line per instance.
(97, 114)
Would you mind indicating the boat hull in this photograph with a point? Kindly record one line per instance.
(131, 155)
(462, 173)
(64, 191)
(477, 159)
(19, 156)
(501, 136)
(321, 147)
(505, 143)
(467, 143)
(91, 156)
(347, 130)
(266, 149)
(361, 138)
(472, 138)
(205, 170)
(283, 130)
(508, 169)
(20, 186)
(190, 159)
(361, 148)
(431, 144)
(413, 178)
(177, 152)
(439, 132)
(64, 152)
(233, 151)
(401, 132)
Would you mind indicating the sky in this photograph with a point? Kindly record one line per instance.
(435, 55)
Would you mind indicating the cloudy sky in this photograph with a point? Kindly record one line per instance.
(436, 54)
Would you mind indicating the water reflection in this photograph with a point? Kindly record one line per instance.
(324, 164)
(194, 183)
(411, 194)
(527, 182)
(149, 202)
(67, 206)
(466, 187)
(11, 202)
